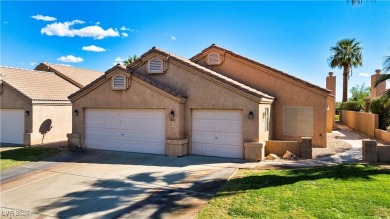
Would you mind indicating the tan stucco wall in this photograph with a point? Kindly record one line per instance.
(204, 94)
(10, 99)
(137, 96)
(58, 117)
(361, 121)
(330, 114)
(382, 135)
(286, 91)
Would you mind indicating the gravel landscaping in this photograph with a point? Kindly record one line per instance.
(334, 146)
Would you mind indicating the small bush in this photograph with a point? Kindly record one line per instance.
(338, 108)
(381, 106)
(351, 106)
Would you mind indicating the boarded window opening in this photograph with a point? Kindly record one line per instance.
(298, 121)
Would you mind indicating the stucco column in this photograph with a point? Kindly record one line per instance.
(331, 83)
(380, 89)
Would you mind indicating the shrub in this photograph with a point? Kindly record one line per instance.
(338, 108)
(381, 106)
(351, 106)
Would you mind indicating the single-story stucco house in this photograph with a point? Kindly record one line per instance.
(34, 106)
(162, 103)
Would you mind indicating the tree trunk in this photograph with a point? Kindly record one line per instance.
(345, 84)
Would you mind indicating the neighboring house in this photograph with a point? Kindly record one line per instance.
(300, 109)
(34, 106)
(166, 104)
(77, 76)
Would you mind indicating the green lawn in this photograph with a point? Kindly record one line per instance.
(344, 191)
(337, 118)
(14, 157)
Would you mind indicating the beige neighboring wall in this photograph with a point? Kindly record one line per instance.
(58, 117)
(138, 96)
(361, 121)
(12, 99)
(288, 93)
(207, 93)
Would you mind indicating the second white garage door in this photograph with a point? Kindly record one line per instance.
(134, 130)
(12, 126)
(217, 133)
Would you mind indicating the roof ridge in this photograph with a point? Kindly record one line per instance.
(71, 66)
(219, 75)
(307, 83)
(26, 69)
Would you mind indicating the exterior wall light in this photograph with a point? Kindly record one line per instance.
(27, 113)
(250, 115)
(75, 112)
(172, 115)
(327, 107)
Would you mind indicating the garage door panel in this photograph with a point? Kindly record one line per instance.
(12, 126)
(133, 130)
(217, 133)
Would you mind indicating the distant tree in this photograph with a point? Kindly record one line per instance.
(359, 93)
(347, 54)
(130, 60)
(385, 77)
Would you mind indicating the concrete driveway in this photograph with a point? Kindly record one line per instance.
(109, 184)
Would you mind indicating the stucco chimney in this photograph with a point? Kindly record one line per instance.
(381, 88)
(331, 83)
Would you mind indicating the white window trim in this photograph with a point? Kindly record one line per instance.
(214, 63)
(156, 71)
(267, 119)
(124, 82)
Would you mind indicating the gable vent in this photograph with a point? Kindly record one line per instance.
(214, 59)
(155, 65)
(119, 82)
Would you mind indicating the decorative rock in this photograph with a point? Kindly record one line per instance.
(272, 157)
(289, 156)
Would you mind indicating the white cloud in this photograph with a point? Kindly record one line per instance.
(70, 58)
(118, 60)
(364, 74)
(172, 37)
(93, 48)
(43, 18)
(97, 23)
(124, 28)
(33, 63)
(64, 29)
(125, 34)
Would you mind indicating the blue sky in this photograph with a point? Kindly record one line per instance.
(292, 36)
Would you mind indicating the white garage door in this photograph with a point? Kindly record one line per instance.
(12, 126)
(217, 133)
(135, 130)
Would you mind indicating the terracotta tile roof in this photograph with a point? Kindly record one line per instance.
(77, 76)
(306, 83)
(206, 71)
(38, 85)
(142, 77)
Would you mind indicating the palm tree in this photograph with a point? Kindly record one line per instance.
(385, 77)
(130, 60)
(347, 54)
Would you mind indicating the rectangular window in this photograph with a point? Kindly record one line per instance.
(298, 121)
(266, 119)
